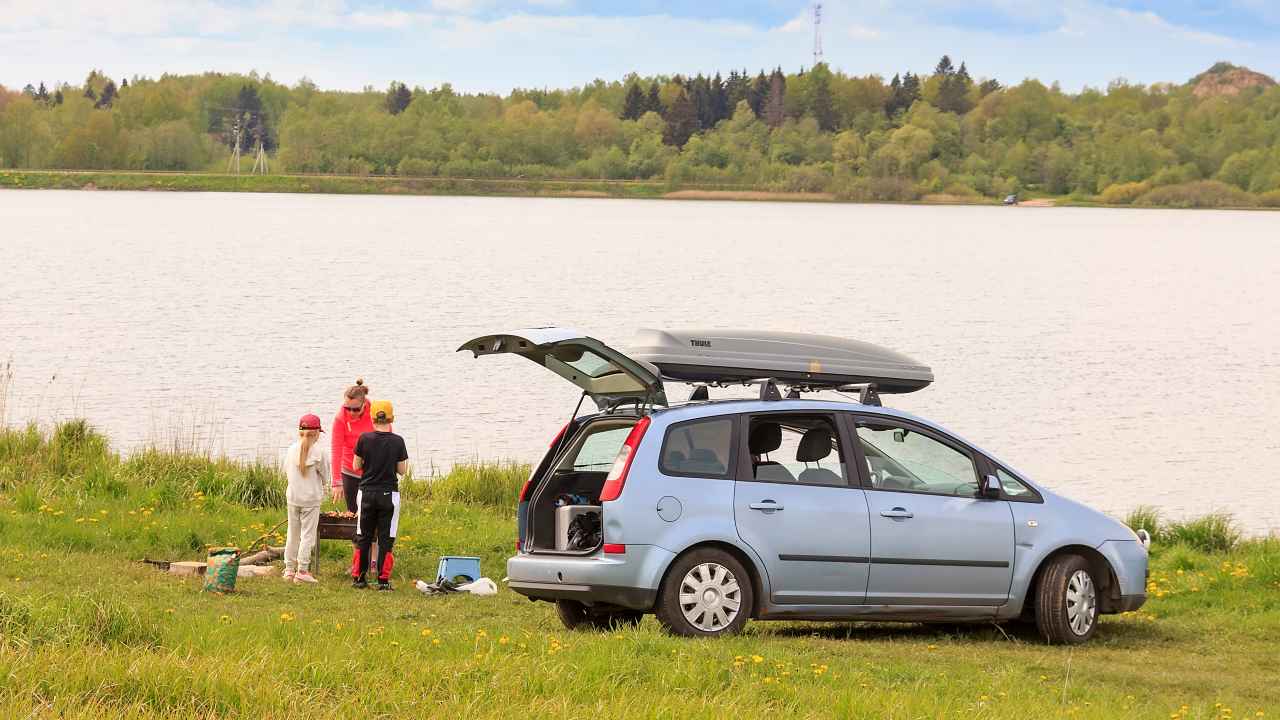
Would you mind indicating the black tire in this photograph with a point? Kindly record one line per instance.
(672, 614)
(576, 616)
(1067, 606)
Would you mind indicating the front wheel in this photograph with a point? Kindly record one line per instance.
(1067, 601)
(706, 593)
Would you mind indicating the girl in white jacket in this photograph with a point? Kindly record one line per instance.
(306, 464)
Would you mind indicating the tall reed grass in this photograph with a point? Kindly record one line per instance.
(1215, 532)
(492, 484)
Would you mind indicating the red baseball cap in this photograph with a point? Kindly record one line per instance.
(310, 422)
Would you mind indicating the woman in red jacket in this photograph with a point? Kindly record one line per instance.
(352, 421)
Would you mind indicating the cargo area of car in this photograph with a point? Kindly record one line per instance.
(564, 513)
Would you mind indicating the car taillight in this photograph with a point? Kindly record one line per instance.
(622, 464)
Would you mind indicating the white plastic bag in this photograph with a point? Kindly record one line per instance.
(483, 587)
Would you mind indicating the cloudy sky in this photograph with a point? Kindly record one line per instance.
(494, 45)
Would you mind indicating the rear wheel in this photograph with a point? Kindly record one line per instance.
(1067, 601)
(575, 615)
(706, 593)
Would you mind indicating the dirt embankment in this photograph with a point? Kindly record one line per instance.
(1227, 79)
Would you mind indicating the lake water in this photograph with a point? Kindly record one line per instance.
(1121, 357)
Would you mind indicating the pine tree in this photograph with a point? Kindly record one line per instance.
(758, 94)
(29, 90)
(944, 68)
(953, 89)
(57, 96)
(720, 107)
(653, 100)
(699, 89)
(823, 106)
(988, 86)
(42, 94)
(633, 106)
(108, 95)
(89, 93)
(735, 90)
(398, 98)
(682, 120)
(775, 107)
(124, 83)
(891, 103)
(910, 90)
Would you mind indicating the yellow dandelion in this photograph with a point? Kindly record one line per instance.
(503, 640)
(757, 659)
(426, 632)
(435, 641)
(224, 619)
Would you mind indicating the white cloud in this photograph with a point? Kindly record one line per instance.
(862, 32)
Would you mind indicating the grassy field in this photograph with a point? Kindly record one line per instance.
(87, 631)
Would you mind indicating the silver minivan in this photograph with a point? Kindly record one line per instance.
(708, 513)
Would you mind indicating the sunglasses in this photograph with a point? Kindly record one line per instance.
(354, 409)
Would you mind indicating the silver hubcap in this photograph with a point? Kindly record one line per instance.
(710, 597)
(1082, 602)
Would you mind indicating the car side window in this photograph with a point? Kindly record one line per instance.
(902, 458)
(801, 449)
(1014, 488)
(698, 448)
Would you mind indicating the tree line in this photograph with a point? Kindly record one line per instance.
(815, 129)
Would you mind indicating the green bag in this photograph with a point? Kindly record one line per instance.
(222, 569)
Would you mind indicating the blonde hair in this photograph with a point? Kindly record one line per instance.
(304, 449)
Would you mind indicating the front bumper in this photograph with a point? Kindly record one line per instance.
(627, 580)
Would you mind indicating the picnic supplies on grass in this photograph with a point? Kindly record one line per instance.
(222, 569)
(482, 587)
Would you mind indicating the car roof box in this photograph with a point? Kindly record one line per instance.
(797, 359)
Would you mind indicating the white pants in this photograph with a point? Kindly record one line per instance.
(301, 540)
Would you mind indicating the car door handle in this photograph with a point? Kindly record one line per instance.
(765, 505)
(896, 513)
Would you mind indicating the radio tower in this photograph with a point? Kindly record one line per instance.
(817, 33)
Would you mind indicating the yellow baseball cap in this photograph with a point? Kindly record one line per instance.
(382, 411)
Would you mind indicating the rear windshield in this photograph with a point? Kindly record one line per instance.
(596, 446)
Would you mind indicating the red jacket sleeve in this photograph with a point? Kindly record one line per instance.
(337, 440)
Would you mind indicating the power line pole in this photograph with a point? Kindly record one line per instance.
(817, 33)
(260, 159)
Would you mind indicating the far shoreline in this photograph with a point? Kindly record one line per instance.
(91, 180)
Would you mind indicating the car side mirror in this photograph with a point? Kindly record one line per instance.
(991, 488)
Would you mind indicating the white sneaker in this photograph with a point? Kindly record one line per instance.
(304, 577)
(288, 575)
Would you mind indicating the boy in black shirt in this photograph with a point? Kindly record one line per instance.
(381, 457)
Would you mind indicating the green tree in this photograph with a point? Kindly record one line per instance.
(634, 106)
(822, 104)
(682, 120)
(398, 98)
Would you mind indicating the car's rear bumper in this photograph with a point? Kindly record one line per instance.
(628, 597)
(627, 580)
